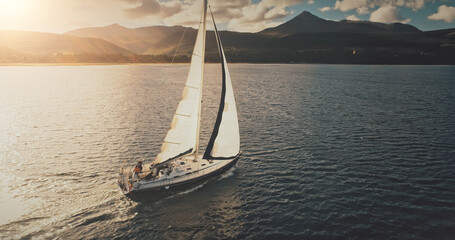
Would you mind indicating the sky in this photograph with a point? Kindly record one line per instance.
(59, 16)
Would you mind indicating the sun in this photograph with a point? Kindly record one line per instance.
(13, 12)
(12, 5)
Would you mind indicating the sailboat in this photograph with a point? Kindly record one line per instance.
(179, 163)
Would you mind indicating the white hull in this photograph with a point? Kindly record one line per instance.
(184, 171)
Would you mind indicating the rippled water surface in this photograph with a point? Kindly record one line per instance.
(329, 151)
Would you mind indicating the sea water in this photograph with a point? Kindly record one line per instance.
(329, 151)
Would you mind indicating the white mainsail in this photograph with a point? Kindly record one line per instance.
(225, 140)
(183, 137)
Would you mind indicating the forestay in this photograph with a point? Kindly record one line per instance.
(183, 137)
(225, 140)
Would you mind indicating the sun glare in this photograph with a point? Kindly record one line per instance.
(12, 5)
(13, 13)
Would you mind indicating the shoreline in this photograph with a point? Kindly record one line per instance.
(75, 64)
(239, 63)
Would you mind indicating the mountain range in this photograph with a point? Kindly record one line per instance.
(305, 38)
(50, 43)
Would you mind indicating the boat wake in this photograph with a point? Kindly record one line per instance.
(191, 189)
(228, 173)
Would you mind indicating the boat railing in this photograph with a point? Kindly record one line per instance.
(185, 177)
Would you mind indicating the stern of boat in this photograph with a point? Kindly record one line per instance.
(125, 180)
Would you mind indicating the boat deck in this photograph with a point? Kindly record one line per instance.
(183, 170)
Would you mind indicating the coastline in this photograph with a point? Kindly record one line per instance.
(236, 63)
(75, 64)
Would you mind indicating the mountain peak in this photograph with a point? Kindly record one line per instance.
(306, 14)
(306, 22)
(114, 25)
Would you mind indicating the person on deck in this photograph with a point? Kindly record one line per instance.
(138, 167)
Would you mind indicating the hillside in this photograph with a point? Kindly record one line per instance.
(444, 33)
(137, 40)
(49, 43)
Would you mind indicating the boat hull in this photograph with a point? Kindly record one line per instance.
(183, 184)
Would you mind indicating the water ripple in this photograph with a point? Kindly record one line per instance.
(329, 152)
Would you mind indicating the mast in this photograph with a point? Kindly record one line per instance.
(204, 21)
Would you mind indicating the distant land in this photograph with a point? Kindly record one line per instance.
(303, 39)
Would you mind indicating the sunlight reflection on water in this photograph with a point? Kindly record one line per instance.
(330, 151)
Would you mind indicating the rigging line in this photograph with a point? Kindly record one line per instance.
(180, 42)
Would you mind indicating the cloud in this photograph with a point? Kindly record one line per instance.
(325, 9)
(188, 16)
(352, 18)
(414, 4)
(363, 10)
(346, 5)
(388, 14)
(153, 7)
(238, 15)
(263, 14)
(364, 6)
(254, 15)
(229, 4)
(445, 13)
